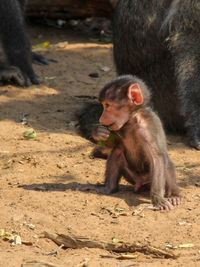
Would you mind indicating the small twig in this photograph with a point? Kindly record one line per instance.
(121, 257)
(84, 82)
(55, 251)
(129, 265)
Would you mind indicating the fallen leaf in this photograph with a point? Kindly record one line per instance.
(30, 134)
(42, 45)
(2, 232)
(105, 68)
(50, 78)
(8, 236)
(115, 240)
(36, 89)
(119, 209)
(5, 151)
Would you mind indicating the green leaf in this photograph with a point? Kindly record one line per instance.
(30, 134)
(116, 240)
(42, 45)
(111, 138)
(119, 209)
(36, 89)
(102, 143)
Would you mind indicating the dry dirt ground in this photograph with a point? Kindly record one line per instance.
(39, 177)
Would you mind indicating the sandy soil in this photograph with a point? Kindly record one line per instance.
(39, 177)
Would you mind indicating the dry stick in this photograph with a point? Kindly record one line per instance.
(55, 251)
(80, 242)
(36, 263)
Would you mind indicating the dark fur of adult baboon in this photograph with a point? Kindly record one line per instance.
(159, 41)
(18, 66)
